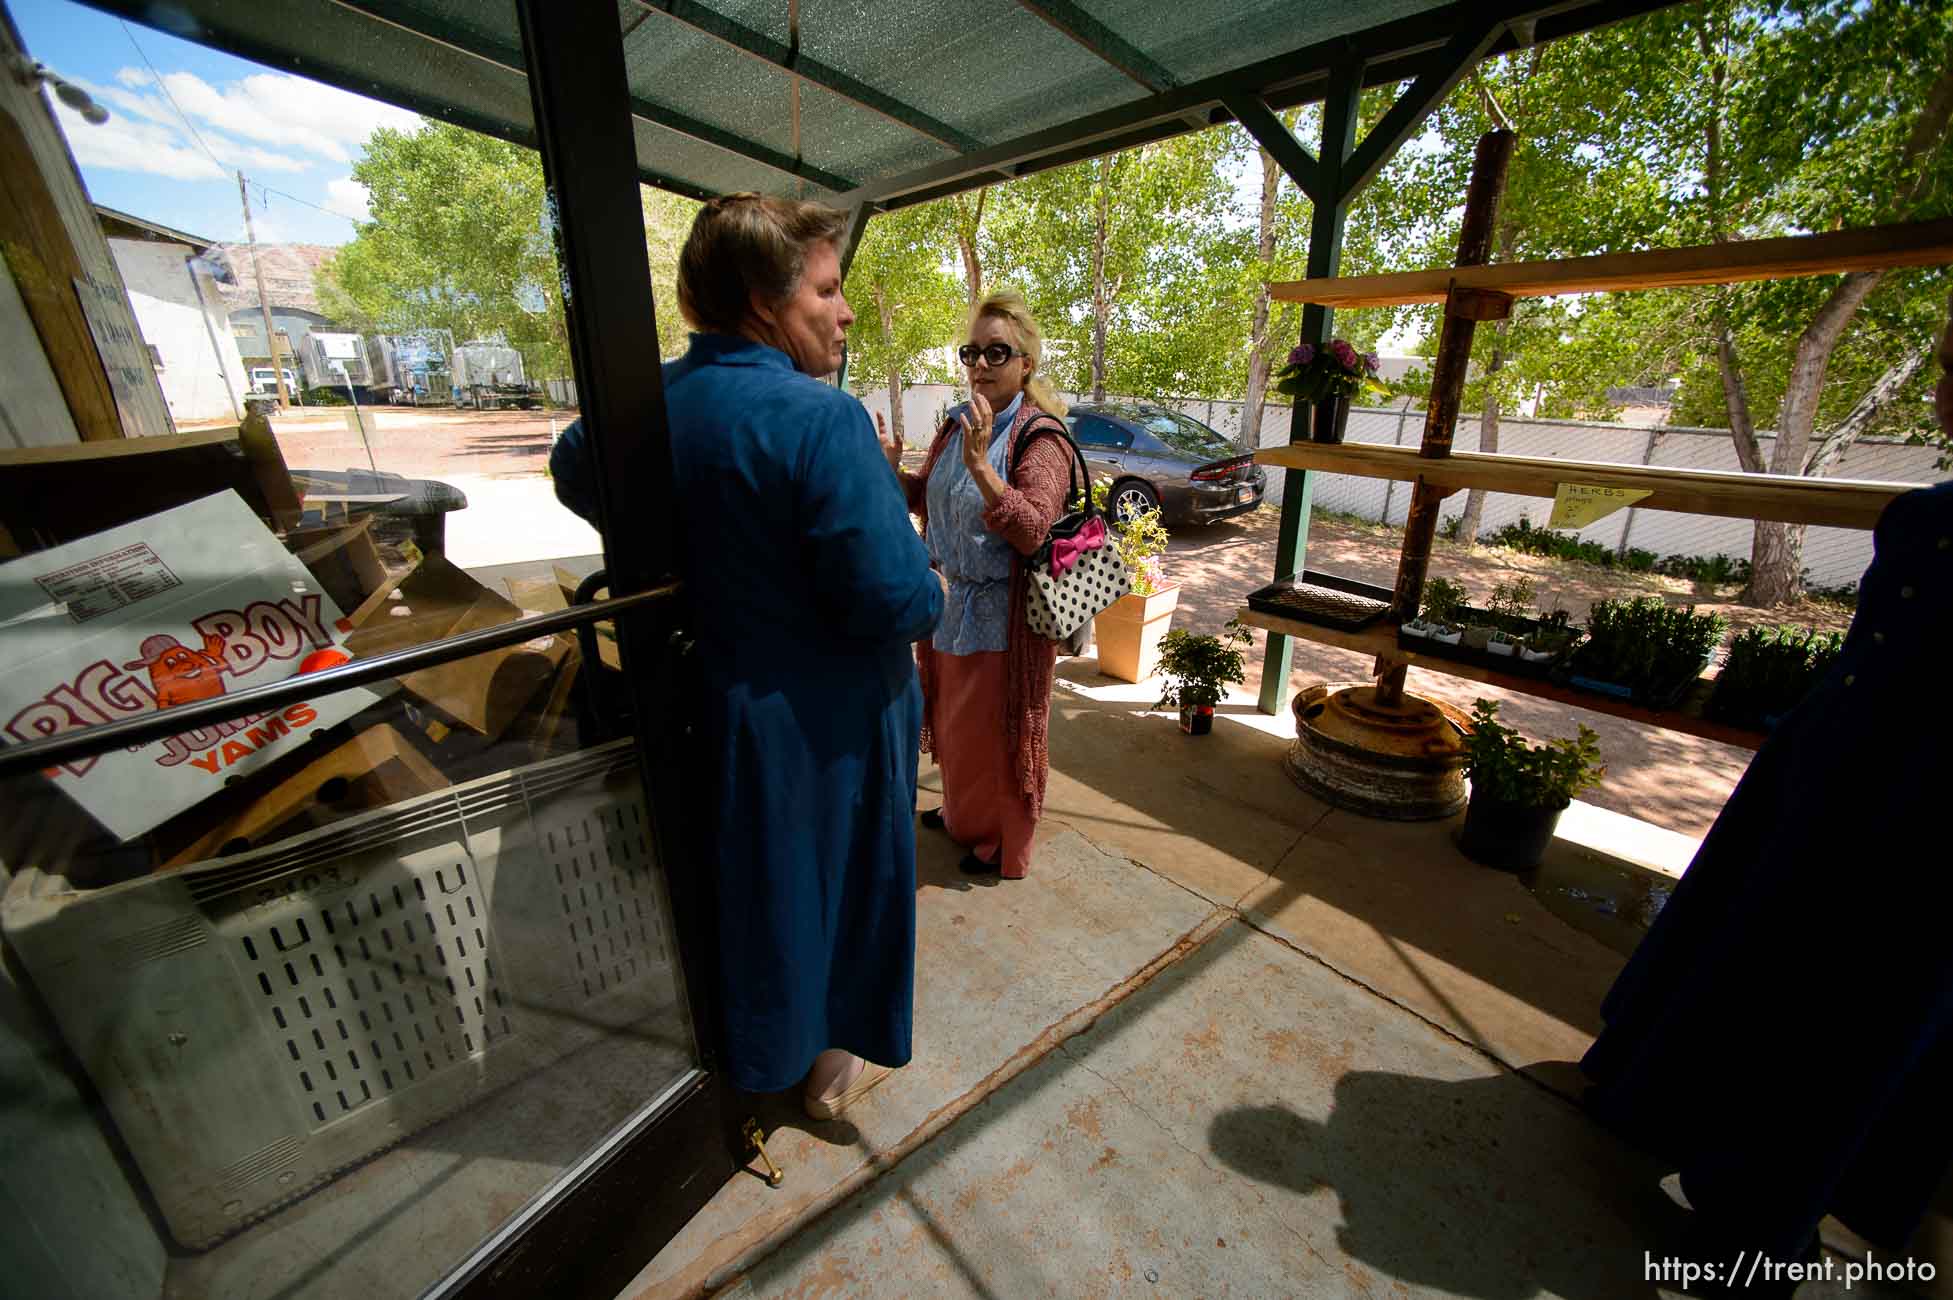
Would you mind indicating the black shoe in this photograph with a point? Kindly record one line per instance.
(974, 866)
(932, 818)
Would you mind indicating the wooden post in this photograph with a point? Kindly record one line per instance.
(1464, 308)
(264, 303)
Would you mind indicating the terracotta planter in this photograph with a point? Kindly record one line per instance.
(1128, 633)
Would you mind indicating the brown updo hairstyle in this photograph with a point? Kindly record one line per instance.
(747, 244)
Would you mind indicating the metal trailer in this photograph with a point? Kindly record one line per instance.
(412, 368)
(335, 360)
(488, 374)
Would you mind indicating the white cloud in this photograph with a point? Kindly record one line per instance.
(251, 158)
(349, 198)
(127, 144)
(278, 109)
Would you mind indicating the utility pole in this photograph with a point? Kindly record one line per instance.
(264, 303)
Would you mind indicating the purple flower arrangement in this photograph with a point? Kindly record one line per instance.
(1312, 373)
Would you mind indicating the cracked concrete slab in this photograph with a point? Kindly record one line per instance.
(1250, 1123)
(1004, 970)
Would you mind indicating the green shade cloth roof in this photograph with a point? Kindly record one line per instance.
(878, 101)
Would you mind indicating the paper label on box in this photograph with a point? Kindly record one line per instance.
(185, 605)
(1576, 505)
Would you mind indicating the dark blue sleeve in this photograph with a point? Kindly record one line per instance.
(871, 571)
(571, 472)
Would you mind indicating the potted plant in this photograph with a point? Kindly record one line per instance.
(1129, 630)
(1550, 638)
(1444, 603)
(1767, 671)
(1644, 650)
(1510, 606)
(1198, 669)
(1327, 377)
(1520, 789)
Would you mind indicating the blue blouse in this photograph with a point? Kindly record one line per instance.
(976, 617)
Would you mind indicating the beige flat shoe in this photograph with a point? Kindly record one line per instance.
(832, 1107)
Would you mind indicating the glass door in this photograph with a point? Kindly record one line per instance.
(358, 939)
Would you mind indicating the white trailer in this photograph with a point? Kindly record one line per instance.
(412, 368)
(335, 360)
(488, 374)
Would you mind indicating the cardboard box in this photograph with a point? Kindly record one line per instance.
(483, 692)
(51, 495)
(343, 558)
(312, 788)
(181, 607)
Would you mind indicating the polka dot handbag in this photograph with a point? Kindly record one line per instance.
(1059, 607)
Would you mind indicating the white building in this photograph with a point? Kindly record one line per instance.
(173, 287)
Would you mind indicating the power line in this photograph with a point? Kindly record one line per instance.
(294, 198)
(188, 126)
(165, 88)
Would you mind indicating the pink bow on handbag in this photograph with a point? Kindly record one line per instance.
(1065, 551)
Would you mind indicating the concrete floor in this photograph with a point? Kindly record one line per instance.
(1223, 1041)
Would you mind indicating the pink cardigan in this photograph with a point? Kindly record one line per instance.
(1032, 502)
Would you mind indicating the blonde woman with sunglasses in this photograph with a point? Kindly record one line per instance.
(985, 507)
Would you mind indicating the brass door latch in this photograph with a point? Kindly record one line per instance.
(756, 1141)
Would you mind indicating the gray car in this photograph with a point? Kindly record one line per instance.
(1154, 457)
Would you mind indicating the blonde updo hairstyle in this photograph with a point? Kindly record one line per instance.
(1009, 307)
(747, 245)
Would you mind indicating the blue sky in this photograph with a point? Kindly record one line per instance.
(298, 137)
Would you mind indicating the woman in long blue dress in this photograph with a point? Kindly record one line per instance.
(808, 585)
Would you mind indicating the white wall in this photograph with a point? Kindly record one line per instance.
(182, 317)
(920, 405)
(33, 411)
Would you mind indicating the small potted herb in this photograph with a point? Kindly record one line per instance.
(1551, 638)
(1509, 607)
(1198, 669)
(1444, 603)
(1520, 789)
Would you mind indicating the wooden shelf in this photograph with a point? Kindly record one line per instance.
(1872, 248)
(1839, 503)
(1382, 641)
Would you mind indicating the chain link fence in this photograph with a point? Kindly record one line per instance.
(1835, 557)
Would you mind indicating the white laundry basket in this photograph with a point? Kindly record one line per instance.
(261, 1022)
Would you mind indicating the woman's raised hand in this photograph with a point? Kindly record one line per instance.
(978, 422)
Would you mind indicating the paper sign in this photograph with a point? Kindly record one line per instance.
(185, 605)
(124, 356)
(1576, 505)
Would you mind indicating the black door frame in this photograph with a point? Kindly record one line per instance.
(597, 1227)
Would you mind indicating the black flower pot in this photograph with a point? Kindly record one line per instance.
(1196, 719)
(1509, 836)
(1331, 418)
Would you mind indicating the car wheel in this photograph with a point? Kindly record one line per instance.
(1133, 497)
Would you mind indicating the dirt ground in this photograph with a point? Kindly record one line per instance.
(423, 442)
(1672, 780)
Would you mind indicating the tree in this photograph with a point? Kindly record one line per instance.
(966, 220)
(906, 300)
(667, 221)
(1134, 264)
(1817, 114)
(456, 242)
(1280, 207)
(1587, 175)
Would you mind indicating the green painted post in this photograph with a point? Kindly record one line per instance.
(1325, 259)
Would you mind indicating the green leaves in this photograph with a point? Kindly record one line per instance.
(459, 240)
(1503, 766)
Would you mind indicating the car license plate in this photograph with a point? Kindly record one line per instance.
(1245, 494)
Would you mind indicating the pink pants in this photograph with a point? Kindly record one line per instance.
(982, 809)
